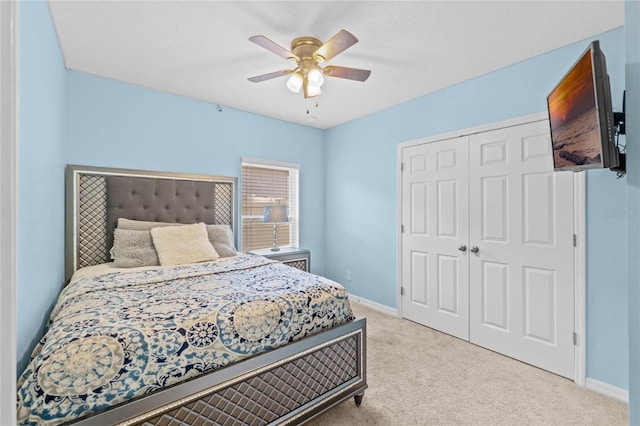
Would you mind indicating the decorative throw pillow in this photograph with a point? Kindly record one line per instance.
(178, 245)
(133, 248)
(221, 236)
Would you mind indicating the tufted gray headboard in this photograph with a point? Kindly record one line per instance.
(97, 196)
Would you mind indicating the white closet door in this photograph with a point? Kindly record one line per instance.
(521, 221)
(435, 272)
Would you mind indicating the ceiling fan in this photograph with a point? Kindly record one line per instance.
(309, 53)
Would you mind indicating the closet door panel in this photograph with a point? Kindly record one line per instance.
(435, 275)
(521, 216)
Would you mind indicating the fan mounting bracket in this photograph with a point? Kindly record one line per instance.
(305, 47)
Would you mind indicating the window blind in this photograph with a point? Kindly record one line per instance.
(268, 183)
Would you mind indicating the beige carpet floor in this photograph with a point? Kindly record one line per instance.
(419, 376)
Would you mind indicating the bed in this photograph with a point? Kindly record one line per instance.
(227, 339)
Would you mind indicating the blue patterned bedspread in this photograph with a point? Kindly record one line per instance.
(119, 335)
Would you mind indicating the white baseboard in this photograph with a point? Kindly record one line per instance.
(607, 389)
(374, 305)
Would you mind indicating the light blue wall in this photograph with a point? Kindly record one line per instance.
(607, 271)
(114, 124)
(361, 184)
(607, 279)
(40, 168)
(632, 76)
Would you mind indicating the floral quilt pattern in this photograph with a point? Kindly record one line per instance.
(120, 335)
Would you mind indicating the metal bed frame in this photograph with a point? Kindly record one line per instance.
(288, 385)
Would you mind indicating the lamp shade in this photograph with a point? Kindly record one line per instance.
(275, 214)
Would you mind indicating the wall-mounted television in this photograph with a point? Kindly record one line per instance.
(581, 115)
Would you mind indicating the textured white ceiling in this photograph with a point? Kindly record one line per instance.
(200, 49)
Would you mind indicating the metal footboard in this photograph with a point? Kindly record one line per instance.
(289, 385)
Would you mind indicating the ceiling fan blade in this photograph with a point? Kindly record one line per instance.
(272, 46)
(346, 72)
(340, 42)
(263, 77)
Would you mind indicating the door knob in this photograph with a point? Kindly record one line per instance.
(474, 249)
(462, 248)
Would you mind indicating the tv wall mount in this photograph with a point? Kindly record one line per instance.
(618, 124)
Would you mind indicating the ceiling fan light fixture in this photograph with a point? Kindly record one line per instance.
(308, 53)
(312, 90)
(294, 82)
(315, 77)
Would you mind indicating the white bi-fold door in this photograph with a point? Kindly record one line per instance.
(435, 218)
(487, 243)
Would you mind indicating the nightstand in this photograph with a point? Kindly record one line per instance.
(290, 256)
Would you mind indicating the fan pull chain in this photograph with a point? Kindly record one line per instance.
(316, 105)
(308, 107)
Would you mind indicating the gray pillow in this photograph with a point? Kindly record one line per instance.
(220, 236)
(133, 248)
(141, 225)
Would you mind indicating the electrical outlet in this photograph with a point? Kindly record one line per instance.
(348, 275)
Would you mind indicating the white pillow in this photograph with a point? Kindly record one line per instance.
(178, 245)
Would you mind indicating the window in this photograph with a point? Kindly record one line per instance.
(268, 183)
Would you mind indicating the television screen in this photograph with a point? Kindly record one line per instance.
(581, 116)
